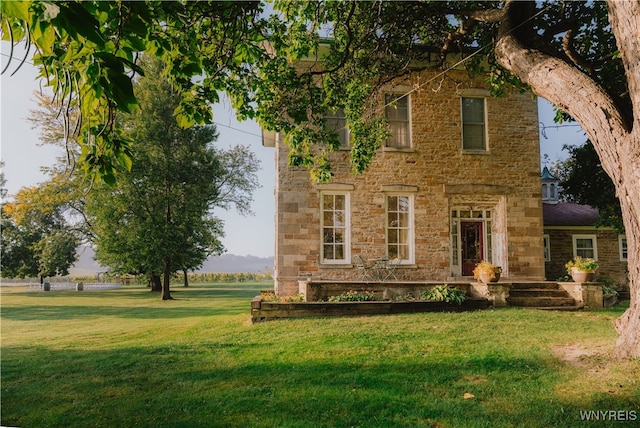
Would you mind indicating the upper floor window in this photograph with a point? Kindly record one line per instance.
(473, 124)
(400, 227)
(337, 122)
(335, 227)
(398, 116)
(585, 246)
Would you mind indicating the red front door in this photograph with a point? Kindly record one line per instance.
(472, 245)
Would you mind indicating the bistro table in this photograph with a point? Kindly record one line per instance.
(384, 269)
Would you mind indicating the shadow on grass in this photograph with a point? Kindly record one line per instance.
(69, 312)
(245, 383)
(126, 303)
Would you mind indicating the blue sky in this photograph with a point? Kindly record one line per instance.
(253, 235)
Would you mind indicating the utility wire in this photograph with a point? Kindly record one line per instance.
(455, 65)
(543, 128)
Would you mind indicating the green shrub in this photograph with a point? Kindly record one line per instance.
(272, 297)
(354, 296)
(583, 264)
(444, 293)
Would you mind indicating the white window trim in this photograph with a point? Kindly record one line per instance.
(409, 113)
(486, 126)
(411, 237)
(574, 238)
(347, 237)
(547, 247)
(622, 238)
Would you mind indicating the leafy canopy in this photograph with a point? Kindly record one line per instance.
(289, 63)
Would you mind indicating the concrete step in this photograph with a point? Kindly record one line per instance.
(541, 295)
(540, 302)
(561, 308)
(537, 292)
(542, 285)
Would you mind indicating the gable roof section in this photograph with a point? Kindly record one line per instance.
(569, 214)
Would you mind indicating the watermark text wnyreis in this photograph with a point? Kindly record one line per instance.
(608, 415)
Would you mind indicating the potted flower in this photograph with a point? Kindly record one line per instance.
(582, 269)
(487, 272)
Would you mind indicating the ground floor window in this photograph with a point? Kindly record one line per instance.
(547, 248)
(471, 239)
(585, 246)
(399, 227)
(622, 240)
(335, 227)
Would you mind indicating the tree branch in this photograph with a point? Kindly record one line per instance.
(572, 54)
(566, 86)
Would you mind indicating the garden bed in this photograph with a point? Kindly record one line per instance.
(319, 290)
(266, 311)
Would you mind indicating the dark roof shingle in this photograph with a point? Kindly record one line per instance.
(569, 214)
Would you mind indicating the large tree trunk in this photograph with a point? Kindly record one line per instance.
(628, 325)
(185, 277)
(166, 292)
(155, 283)
(615, 134)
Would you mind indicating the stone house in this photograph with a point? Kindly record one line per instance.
(570, 231)
(457, 182)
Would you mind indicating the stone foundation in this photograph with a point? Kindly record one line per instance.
(589, 293)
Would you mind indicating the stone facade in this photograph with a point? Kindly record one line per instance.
(561, 250)
(567, 226)
(454, 201)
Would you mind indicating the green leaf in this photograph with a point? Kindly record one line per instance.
(44, 35)
(184, 120)
(125, 160)
(75, 19)
(122, 92)
(108, 177)
(16, 9)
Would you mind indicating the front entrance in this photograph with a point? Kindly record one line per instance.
(472, 235)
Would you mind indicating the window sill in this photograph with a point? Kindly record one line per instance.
(399, 150)
(344, 265)
(476, 152)
(407, 266)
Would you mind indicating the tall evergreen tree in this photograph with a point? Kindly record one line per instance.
(157, 218)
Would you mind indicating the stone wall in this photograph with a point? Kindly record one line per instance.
(505, 179)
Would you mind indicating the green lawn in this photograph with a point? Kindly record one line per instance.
(125, 358)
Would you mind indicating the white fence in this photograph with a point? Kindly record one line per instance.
(89, 286)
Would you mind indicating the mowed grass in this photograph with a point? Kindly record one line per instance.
(125, 358)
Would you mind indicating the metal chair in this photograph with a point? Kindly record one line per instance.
(388, 269)
(363, 269)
